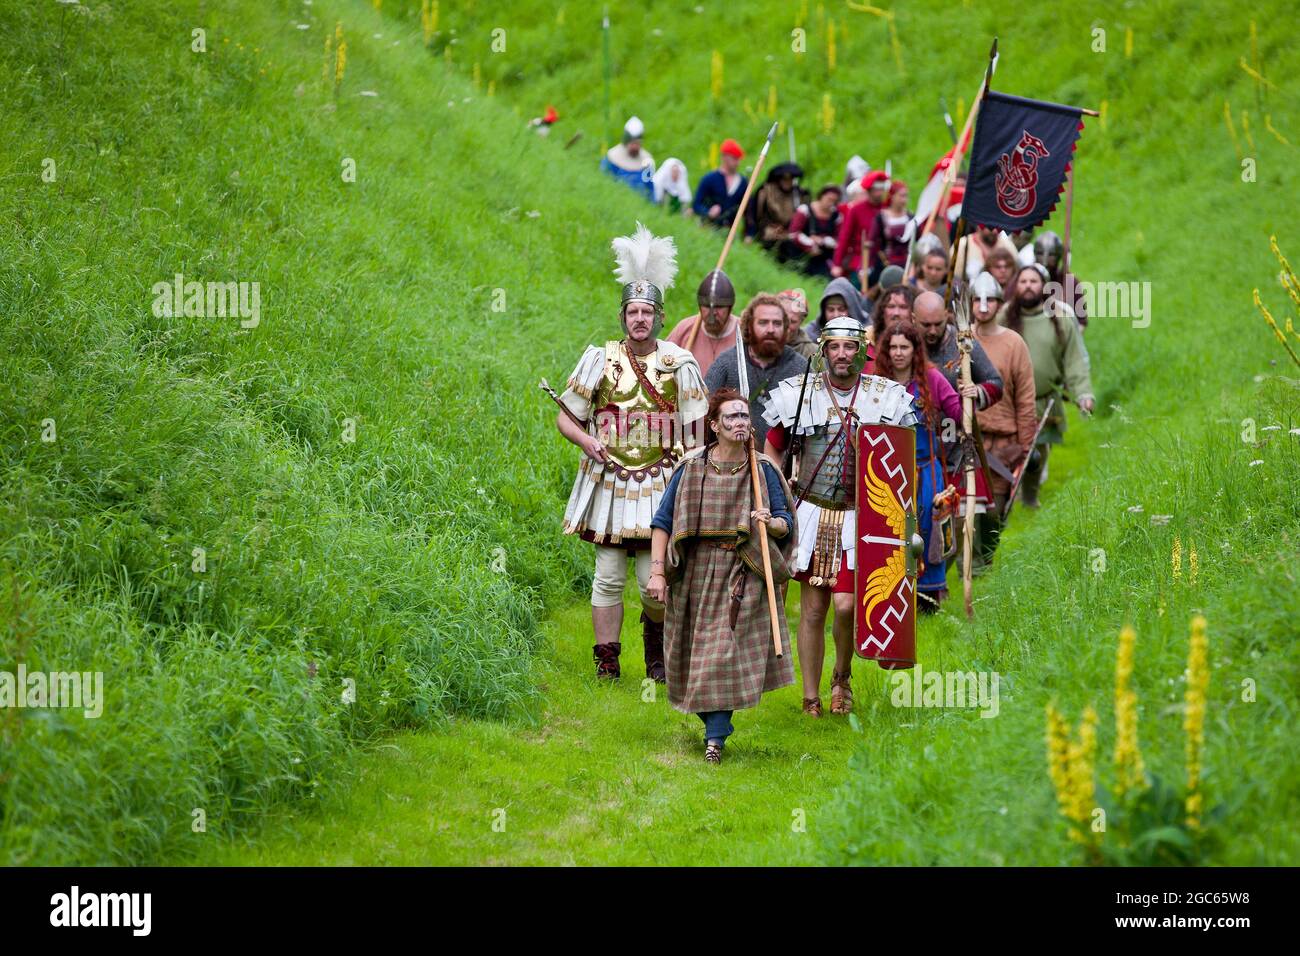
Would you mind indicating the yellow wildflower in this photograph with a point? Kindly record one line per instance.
(830, 46)
(828, 114)
(1198, 679)
(1193, 565)
(1176, 558)
(1128, 757)
(715, 77)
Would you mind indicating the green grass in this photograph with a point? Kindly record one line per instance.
(376, 560)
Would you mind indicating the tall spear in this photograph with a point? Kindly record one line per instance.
(735, 223)
(950, 174)
(742, 373)
(965, 343)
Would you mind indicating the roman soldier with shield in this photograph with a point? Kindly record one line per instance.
(814, 421)
(634, 406)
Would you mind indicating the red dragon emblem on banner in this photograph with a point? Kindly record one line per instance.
(1017, 176)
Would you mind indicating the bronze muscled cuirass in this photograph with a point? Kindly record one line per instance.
(636, 432)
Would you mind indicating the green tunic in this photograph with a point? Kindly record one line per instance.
(1060, 365)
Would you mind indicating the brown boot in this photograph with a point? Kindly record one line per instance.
(653, 634)
(606, 656)
(841, 692)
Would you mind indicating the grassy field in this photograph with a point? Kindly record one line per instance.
(375, 484)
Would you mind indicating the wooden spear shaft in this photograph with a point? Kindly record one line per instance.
(735, 223)
(969, 518)
(762, 544)
(950, 174)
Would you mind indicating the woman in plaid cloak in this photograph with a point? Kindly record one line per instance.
(706, 565)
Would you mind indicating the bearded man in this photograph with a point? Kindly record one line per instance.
(813, 417)
(764, 327)
(637, 405)
(716, 297)
(1060, 364)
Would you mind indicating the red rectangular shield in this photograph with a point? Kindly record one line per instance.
(885, 577)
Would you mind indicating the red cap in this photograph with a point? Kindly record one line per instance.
(551, 116)
(873, 177)
(732, 148)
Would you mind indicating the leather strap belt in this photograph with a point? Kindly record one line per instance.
(827, 503)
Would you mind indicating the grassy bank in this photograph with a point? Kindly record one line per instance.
(375, 484)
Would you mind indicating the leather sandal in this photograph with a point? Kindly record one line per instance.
(713, 752)
(812, 706)
(841, 693)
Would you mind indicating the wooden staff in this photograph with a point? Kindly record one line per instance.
(1069, 208)
(966, 344)
(762, 544)
(735, 223)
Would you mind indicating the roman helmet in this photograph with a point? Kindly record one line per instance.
(646, 265)
(842, 327)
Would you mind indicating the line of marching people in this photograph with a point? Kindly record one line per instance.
(665, 478)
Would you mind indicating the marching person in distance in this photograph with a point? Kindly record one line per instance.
(768, 360)
(854, 226)
(1007, 426)
(1060, 363)
(930, 277)
(894, 304)
(716, 296)
(672, 187)
(932, 319)
(814, 417)
(771, 210)
(973, 251)
(840, 298)
(889, 234)
(706, 567)
(813, 230)
(796, 307)
(718, 196)
(1048, 252)
(1001, 265)
(900, 355)
(630, 162)
(641, 402)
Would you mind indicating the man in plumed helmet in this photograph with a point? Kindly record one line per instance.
(641, 402)
(814, 417)
(716, 298)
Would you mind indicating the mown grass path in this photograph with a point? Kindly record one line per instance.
(604, 777)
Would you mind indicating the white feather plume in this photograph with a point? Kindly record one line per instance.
(643, 257)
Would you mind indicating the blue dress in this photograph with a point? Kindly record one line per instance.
(930, 481)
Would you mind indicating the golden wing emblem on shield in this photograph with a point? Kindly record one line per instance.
(882, 582)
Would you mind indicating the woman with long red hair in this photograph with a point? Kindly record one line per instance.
(900, 355)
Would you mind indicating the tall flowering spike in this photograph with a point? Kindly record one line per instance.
(1176, 557)
(329, 58)
(1198, 680)
(1193, 566)
(715, 76)
(1058, 757)
(1083, 788)
(828, 114)
(830, 46)
(1129, 770)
